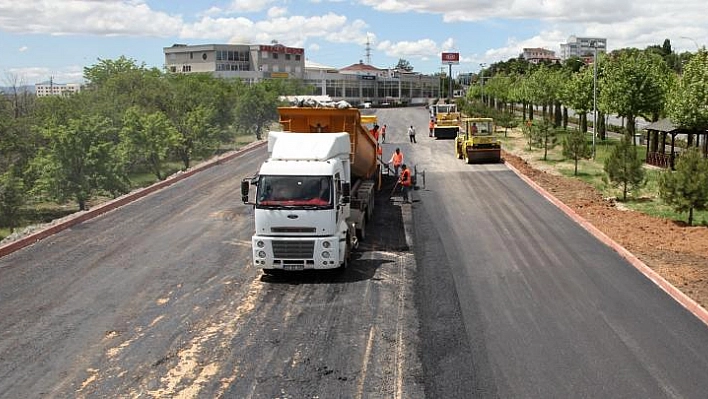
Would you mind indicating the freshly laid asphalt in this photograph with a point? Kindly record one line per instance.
(480, 288)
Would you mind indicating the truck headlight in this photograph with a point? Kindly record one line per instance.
(325, 254)
(260, 244)
(326, 244)
(261, 254)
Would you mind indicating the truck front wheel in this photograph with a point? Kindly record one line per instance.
(361, 230)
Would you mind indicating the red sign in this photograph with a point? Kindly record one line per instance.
(279, 48)
(451, 58)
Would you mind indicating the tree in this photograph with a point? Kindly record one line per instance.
(197, 134)
(79, 161)
(686, 189)
(147, 138)
(404, 65)
(12, 197)
(634, 83)
(99, 73)
(624, 168)
(256, 109)
(688, 99)
(577, 94)
(546, 137)
(576, 147)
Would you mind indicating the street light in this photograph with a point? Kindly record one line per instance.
(693, 40)
(594, 97)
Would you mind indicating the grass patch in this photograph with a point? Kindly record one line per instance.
(591, 171)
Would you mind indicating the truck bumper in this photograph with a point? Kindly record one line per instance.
(296, 253)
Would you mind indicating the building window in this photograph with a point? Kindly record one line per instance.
(204, 56)
(297, 57)
(275, 56)
(191, 55)
(287, 57)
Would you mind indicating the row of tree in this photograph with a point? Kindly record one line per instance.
(651, 83)
(128, 120)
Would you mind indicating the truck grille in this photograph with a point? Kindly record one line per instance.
(292, 229)
(293, 249)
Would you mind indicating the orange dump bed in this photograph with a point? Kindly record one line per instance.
(335, 120)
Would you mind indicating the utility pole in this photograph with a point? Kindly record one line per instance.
(594, 98)
(449, 78)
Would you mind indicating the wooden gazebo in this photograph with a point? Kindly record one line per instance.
(657, 133)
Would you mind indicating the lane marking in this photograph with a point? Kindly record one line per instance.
(365, 363)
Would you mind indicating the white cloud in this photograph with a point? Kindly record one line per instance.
(275, 12)
(23, 49)
(241, 6)
(109, 18)
(405, 49)
(31, 75)
(623, 23)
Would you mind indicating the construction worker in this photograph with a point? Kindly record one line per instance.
(406, 182)
(396, 160)
(383, 134)
(411, 134)
(431, 125)
(375, 132)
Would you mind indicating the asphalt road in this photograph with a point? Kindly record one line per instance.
(160, 299)
(517, 301)
(481, 288)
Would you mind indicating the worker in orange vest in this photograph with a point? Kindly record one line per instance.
(406, 182)
(396, 160)
(431, 125)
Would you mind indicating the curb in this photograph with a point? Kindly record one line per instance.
(125, 199)
(683, 299)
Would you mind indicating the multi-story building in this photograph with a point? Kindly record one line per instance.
(357, 83)
(56, 89)
(582, 47)
(537, 55)
(246, 61)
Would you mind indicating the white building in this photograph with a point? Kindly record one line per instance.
(582, 47)
(357, 83)
(537, 55)
(56, 89)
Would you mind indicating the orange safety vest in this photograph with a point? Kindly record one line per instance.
(397, 158)
(406, 178)
(432, 124)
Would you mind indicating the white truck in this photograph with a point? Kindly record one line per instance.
(315, 192)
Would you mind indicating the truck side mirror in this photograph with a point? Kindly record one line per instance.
(245, 186)
(346, 193)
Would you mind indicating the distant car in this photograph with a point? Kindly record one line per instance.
(367, 105)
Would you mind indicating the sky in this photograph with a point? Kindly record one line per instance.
(40, 39)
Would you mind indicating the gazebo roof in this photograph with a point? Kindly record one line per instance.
(662, 125)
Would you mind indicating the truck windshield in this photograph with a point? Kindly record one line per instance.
(294, 191)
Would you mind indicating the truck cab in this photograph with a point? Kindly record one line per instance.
(315, 191)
